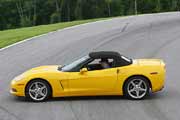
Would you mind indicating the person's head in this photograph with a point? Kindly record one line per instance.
(104, 63)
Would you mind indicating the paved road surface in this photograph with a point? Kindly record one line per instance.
(147, 36)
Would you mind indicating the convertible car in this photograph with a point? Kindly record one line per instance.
(98, 73)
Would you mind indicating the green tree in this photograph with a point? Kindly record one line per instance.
(108, 2)
(22, 13)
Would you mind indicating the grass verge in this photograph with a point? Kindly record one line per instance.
(12, 36)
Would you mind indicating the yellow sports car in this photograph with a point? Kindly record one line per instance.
(99, 73)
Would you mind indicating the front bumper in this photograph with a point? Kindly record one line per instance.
(17, 88)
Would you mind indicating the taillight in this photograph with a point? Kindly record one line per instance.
(164, 66)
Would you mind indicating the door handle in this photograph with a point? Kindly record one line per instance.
(118, 71)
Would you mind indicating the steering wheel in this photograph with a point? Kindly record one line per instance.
(88, 68)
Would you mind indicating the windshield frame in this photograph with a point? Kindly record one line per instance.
(71, 67)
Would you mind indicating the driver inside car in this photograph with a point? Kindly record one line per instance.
(104, 63)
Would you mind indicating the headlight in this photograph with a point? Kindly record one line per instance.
(20, 77)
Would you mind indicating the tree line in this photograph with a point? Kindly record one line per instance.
(25, 13)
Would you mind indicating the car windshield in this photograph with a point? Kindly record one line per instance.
(70, 66)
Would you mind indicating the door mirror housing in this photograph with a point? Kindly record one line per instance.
(83, 70)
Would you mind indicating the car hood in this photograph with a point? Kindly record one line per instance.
(47, 68)
(148, 61)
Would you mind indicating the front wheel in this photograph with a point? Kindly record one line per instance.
(136, 88)
(38, 90)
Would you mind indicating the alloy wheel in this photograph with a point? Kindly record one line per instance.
(38, 91)
(137, 88)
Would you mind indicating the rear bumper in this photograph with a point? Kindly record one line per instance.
(158, 89)
(158, 82)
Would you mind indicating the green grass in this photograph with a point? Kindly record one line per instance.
(9, 37)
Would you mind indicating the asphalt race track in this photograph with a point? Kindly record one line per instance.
(144, 36)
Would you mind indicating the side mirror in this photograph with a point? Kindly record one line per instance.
(83, 70)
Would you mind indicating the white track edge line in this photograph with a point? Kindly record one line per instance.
(67, 28)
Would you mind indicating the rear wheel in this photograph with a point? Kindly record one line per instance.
(136, 88)
(38, 90)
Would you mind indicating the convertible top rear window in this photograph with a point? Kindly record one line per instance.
(126, 59)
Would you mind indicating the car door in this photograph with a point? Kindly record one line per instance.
(93, 82)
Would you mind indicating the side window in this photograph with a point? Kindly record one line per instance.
(99, 64)
(94, 65)
(110, 60)
(95, 62)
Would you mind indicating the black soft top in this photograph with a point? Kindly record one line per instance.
(119, 61)
(104, 54)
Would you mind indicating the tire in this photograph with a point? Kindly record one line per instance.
(38, 90)
(136, 88)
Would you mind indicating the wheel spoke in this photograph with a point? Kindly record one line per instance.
(140, 83)
(32, 90)
(36, 95)
(142, 89)
(137, 93)
(36, 84)
(42, 88)
(42, 94)
(133, 83)
(132, 90)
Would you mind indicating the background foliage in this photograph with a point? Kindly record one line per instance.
(25, 13)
